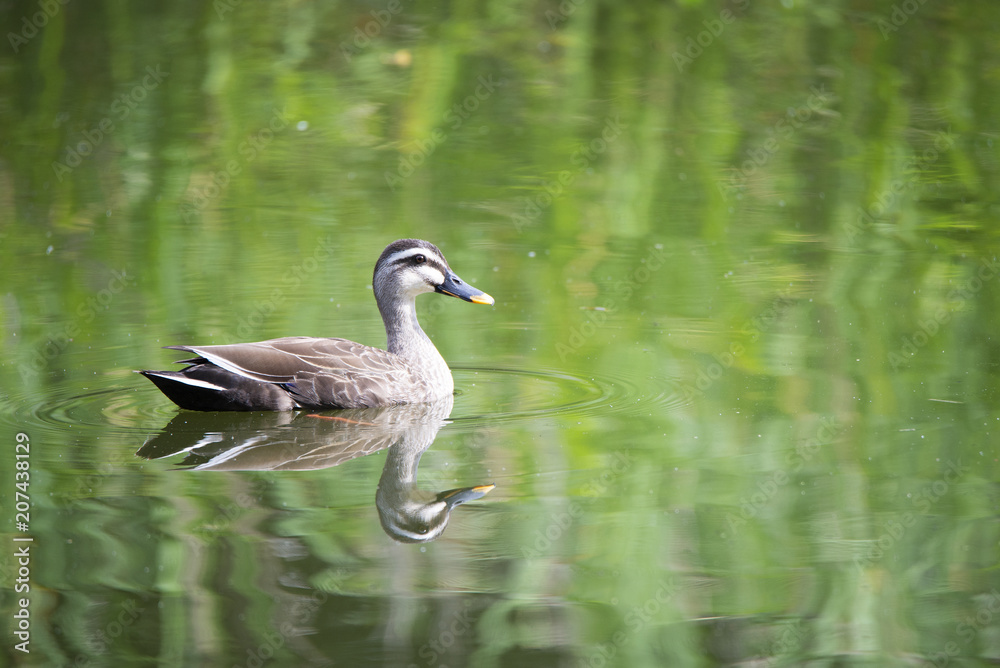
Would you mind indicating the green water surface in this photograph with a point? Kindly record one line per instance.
(738, 393)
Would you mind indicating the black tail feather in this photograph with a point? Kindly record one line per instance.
(206, 387)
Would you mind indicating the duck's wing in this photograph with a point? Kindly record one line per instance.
(284, 360)
(316, 372)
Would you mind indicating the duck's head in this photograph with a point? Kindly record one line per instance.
(415, 519)
(412, 266)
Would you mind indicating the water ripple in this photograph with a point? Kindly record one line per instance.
(484, 394)
(497, 394)
(124, 409)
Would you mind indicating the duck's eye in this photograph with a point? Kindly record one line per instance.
(419, 259)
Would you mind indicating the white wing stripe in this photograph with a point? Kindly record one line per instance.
(234, 368)
(193, 382)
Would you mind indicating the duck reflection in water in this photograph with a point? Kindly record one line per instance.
(305, 441)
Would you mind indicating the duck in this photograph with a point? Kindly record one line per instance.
(302, 372)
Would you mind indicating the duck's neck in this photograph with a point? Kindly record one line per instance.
(405, 337)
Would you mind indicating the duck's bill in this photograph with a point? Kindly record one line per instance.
(454, 286)
(454, 497)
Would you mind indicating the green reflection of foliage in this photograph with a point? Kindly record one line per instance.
(797, 266)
